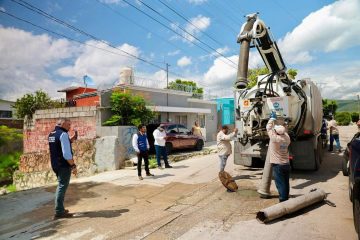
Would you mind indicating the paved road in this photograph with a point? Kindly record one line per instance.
(186, 202)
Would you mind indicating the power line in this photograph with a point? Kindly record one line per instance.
(62, 35)
(192, 35)
(137, 24)
(132, 5)
(187, 20)
(47, 15)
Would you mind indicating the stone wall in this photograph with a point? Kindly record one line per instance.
(35, 168)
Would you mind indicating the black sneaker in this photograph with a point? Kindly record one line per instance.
(168, 166)
(63, 215)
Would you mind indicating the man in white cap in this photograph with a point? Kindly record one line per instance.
(160, 141)
(279, 156)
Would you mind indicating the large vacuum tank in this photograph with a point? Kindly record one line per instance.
(253, 109)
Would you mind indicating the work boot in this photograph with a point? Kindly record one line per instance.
(168, 166)
(141, 178)
(149, 175)
(160, 167)
(63, 215)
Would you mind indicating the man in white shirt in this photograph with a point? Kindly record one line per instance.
(160, 141)
(141, 146)
(279, 156)
(334, 135)
(224, 146)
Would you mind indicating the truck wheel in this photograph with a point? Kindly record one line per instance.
(168, 147)
(344, 166)
(199, 145)
(317, 156)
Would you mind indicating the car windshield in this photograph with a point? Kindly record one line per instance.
(171, 129)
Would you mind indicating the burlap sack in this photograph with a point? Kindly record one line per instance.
(228, 181)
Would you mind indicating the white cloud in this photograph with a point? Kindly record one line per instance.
(223, 50)
(174, 53)
(25, 59)
(196, 25)
(104, 68)
(184, 61)
(197, 2)
(338, 80)
(2, 9)
(331, 28)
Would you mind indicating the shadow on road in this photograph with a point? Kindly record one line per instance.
(330, 168)
(101, 213)
(162, 176)
(180, 167)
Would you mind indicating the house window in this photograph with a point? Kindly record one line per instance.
(201, 120)
(181, 119)
(5, 114)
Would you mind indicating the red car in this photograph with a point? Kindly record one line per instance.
(177, 137)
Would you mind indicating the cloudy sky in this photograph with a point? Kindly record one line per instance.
(197, 38)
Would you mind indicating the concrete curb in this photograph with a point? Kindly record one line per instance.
(179, 156)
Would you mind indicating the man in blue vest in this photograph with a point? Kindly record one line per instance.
(62, 163)
(141, 146)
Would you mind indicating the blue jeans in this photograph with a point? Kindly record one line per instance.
(161, 151)
(336, 138)
(63, 176)
(223, 159)
(281, 175)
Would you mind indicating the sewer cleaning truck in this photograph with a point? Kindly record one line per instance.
(297, 103)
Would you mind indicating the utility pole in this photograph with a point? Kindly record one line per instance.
(167, 87)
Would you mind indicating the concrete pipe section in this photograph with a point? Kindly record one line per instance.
(290, 206)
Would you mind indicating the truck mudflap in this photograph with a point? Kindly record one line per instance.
(306, 154)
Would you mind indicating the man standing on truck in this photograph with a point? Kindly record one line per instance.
(279, 156)
(224, 146)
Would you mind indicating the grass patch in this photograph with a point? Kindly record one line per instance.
(11, 188)
(152, 162)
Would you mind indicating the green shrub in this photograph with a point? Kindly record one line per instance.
(354, 116)
(128, 109)
(8, 164)
(343, 118)
(152, 162)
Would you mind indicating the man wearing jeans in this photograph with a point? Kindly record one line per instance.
(62, 163)
(160, 140)
(334, 135)
(279, 156)
(141, 146)
(223, 145)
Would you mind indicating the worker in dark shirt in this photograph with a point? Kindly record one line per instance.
(62, 163)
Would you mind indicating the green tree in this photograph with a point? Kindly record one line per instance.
(292, 73)
(254, 73)
(343, 118)
(128, 109)
(329, 107)
(187, 86)
(30, 102)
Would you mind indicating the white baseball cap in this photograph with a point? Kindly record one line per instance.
(279, 129)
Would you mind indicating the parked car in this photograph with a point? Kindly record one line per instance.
(354, 178)
(177, 137)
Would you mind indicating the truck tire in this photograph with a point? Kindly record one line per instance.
(168, 147)
(317, 156)
(344, 167)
